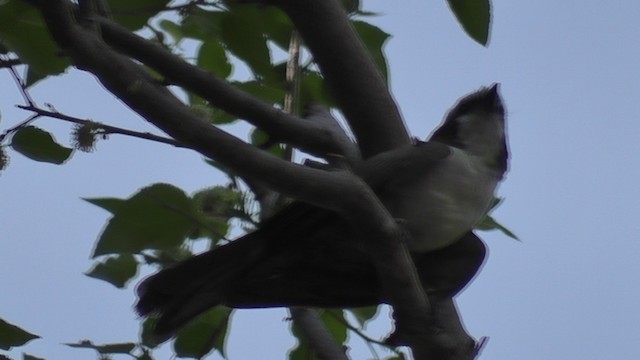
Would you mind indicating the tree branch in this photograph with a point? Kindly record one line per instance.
(10, 62)
(322, 117)
(450, 340)
(352, 76)
(282, 126)
(17, 127)
(20, 83)
(314, 330)
(129, 82)
(105, 129)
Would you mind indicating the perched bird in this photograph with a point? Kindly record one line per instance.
(308, 256)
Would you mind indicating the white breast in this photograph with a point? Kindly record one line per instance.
(446, 203)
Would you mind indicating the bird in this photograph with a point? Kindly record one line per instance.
(437, 189)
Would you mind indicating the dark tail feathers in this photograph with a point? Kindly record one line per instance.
(178, 294)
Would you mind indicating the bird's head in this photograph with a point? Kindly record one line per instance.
(476, 124)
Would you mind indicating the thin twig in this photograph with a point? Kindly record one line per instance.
(18, 127)
(480, 345)
(106, 129)
(4, 63)
(188, 216)
(361, 334)
(307, 320)
(52, 113)
(21, 85)
(292, 96)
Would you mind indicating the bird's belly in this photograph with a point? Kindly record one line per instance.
(448, 204)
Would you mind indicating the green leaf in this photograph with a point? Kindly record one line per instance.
(364, 314)
(258, 89)
(217, 202)
(202, 24)
(213, 57)
(302, 351)
(173, 29)
(196, 101)
(374, 39)
(116, 270)
(110, 204)
(489, 223)
(135, 14)
(147, 337)
(118, 348)
(207, 332)
(39, 145)
(22, 30)
(215, 115)
(33, 76)
(242, 31)
(11, 335)
(200, 109)
(335, 322)
(167, 258)
(313, 90)
(260, 139)
(351, 6)
(30, 357)
(157, 217)
(277, 26)
(215, 207)
(494, 203)
(475, 18)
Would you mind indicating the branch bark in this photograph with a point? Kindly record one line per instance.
(352, 76)
(129, 82)
(288, 128)
(316, 333)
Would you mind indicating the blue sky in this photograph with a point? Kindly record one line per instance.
(571, 82)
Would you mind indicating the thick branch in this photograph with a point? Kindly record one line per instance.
(447, 338)
(354, 79)
(400, 284)
(444, 338)
(129, 82)
(322, 117)
(451, 340)
(282, 126)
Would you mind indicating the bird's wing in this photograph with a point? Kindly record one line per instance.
(415, 160)
(330, 272)
(448, 270)
(303, 250)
